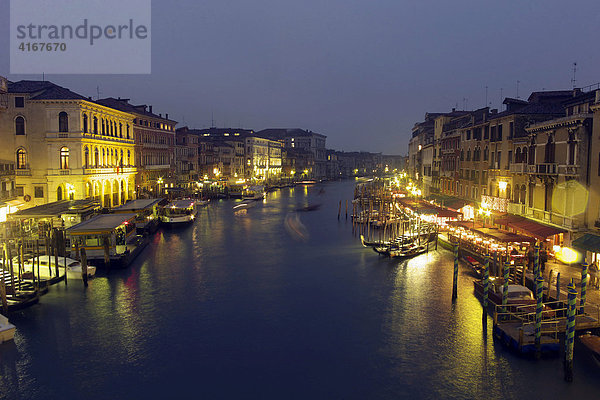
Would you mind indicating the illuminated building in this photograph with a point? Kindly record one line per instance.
(154, 137)
(66, 146)
(263, 159)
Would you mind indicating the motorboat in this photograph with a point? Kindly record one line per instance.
(256, 192)
(178, 212)
(592, 343)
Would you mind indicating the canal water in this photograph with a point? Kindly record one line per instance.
(269, 303)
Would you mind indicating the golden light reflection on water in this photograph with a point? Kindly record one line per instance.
(420, 309)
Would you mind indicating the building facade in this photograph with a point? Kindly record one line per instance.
(66, 146)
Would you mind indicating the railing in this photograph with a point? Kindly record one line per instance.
(80, 135)
(519, 168)
(23, 172)
(543, 169)
(568, 170)
(518, 209)
(108, 170)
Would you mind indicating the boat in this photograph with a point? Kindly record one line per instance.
(517, 294)
(7, 330)
(256, 192)
(592, 343)
(109, 237)
(48, 267)
(408, 251)
(178, 212)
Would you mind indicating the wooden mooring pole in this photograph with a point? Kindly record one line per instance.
(84, 269)
(570, 334)
(539, 284)
(584, 281)
(486, 287)
(455, 276)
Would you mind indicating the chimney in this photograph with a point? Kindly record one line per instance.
(166, 116)
(150, 109)
(494, 111)
(453, 109)
(576, 92)
(119, 98)
(160, 115)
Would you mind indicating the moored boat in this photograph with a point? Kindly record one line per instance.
(178, 212)
(592, 343)
(256, 192)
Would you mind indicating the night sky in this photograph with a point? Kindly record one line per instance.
(360, 72)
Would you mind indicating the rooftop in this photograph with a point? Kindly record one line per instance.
(102, 223)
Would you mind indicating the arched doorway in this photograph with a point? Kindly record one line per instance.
(59, 193)
(123, 193)
(115, 193)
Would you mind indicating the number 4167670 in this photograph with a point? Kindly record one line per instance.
(41, 46)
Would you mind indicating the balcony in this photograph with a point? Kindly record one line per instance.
(81, 135)
(108, 170)
(543, 169)
(569, 170)
(23, 172)
(519, 168)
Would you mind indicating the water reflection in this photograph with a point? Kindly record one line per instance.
(234, 307)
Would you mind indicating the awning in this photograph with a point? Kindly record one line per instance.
(448, 214)
(505, 219)
(589, 242)
(535, 229)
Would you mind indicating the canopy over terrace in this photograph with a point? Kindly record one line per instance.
(427, 208)
(493, 233)
(533, 228)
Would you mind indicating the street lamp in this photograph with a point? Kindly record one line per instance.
(485, 212)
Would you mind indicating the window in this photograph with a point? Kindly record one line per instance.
(19, 102)
(19, 191)
(127, 131)
(120, 129)
(19, 126)
(96, 125)
(486, 132)
(21, 159)
(96, 157)
(64, 158)
(499, 132)
(63, 122)
(86, 157)
(511, 129)
(59, 194)
(38, 192)
(85, 123)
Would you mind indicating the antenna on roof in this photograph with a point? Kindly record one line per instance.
(98, 92)
(574, 72)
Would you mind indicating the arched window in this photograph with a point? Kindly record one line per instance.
(103, 161)
(96, 125)
(121, 161)
(128, 158)
(96, 157)
(120, 129)
(524, 155)
(127, 131)
(21, 159)
(64, 158)
(485, 154)
(531, 156)
(518, 155)
(85, 123)
(63, 122)
(59, 193)
(86, 155)
(19, 126)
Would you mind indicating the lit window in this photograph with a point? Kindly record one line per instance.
(21, 159)
(64, 158)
